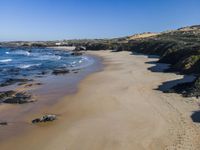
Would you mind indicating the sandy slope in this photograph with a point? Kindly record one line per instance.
(142, 36)
(117, 109)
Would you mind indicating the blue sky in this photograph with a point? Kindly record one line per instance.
(69, 19)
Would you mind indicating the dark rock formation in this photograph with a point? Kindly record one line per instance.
(45, 118)
(80, 48)
(6, 94)
(191, 89)
(12, 97)
(3, 123)
(60, 71)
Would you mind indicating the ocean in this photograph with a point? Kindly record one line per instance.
(36, 62)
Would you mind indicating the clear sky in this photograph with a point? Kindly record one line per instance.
(69, 19)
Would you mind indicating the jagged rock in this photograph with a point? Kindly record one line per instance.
(45, 118)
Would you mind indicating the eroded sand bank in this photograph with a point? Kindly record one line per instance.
(117, 109)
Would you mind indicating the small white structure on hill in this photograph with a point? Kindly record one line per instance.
(58, 44)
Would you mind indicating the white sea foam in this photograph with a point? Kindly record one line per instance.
(82, 63)
(20, 52)
(5, 60)
(25, 66)
(48, 57)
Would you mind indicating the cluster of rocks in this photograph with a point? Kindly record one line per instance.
(45, 118)
(12, 97)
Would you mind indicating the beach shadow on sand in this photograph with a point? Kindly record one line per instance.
(196, 116)
(166, 86)
(158, 67)
(163, 68)
(149, 56)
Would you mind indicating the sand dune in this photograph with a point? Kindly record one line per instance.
(117, 109)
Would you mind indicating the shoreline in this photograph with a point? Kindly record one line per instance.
(117, 108)
(52, 89)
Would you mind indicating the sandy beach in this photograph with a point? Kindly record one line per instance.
(117, 108)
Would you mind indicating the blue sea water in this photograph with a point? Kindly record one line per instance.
(26, 62)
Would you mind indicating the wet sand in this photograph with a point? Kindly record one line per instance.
(118, 108)
(50, 92)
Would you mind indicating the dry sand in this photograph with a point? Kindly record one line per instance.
(117, 109)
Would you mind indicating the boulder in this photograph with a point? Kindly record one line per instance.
(45, 118)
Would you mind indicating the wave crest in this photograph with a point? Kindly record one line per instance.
(5, 60)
